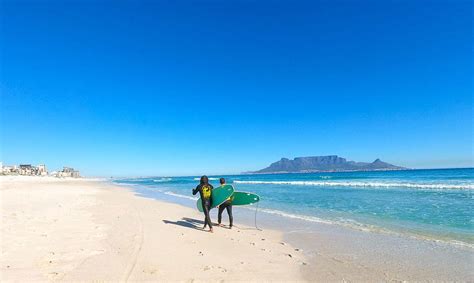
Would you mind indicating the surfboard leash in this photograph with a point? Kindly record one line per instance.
(255, 222)
(256, 209)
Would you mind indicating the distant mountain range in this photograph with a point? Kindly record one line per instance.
(330, 163)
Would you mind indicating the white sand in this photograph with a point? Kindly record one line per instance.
(68, 229)
(89, 230)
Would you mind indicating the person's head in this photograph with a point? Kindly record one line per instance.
(204, 180)
(222, 181)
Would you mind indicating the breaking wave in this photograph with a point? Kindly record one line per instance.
(362, 184)
(180, 196)
(161, 180)
(210, 179)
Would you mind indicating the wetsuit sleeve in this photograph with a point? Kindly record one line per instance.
(196, 190)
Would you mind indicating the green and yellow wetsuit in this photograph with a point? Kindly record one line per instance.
(205, 191)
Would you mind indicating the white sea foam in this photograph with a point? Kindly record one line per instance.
(161, 180)
(296, 216)
(180, 196)
(342, 222)
(352, 224)
(363, 184)
(210, 179)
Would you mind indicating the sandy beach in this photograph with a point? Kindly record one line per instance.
(70, 230)
(92, 230)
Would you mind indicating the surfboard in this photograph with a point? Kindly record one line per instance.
(219, 195)
(244, 198)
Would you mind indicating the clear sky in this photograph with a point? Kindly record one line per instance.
(165, 88)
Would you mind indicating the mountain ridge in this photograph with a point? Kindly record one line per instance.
(328, 163)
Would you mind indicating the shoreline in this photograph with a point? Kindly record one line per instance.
(357, 227)
(385, 256)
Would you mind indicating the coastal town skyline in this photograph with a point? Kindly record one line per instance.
(41, 170)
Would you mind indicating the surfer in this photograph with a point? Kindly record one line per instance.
(227, 205)
(205, 191)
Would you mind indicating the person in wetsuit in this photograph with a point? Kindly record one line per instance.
(205, 191)
(227, 205)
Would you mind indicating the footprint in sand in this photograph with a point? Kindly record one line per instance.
(53, 275)
(150, 270)
(209, 267)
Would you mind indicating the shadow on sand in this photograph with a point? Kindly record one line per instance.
(192, 220)
(186, 222)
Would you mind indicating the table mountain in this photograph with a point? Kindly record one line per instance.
(325, 164)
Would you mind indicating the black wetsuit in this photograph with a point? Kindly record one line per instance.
(228, 206)
(206, 202)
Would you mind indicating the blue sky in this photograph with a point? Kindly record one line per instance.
(164, 88)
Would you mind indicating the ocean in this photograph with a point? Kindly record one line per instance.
(433, 204)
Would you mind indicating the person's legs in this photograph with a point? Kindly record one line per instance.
(207, 220)
(219, 214)
(231, 218)
(205, 210)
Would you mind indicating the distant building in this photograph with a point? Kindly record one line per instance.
(42, 170)
(26, 169)
(68, 172)
(9, 170)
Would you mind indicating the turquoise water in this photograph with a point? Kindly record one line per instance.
(431, 204)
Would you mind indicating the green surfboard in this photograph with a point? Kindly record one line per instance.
(219, 195)
(244, 198)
